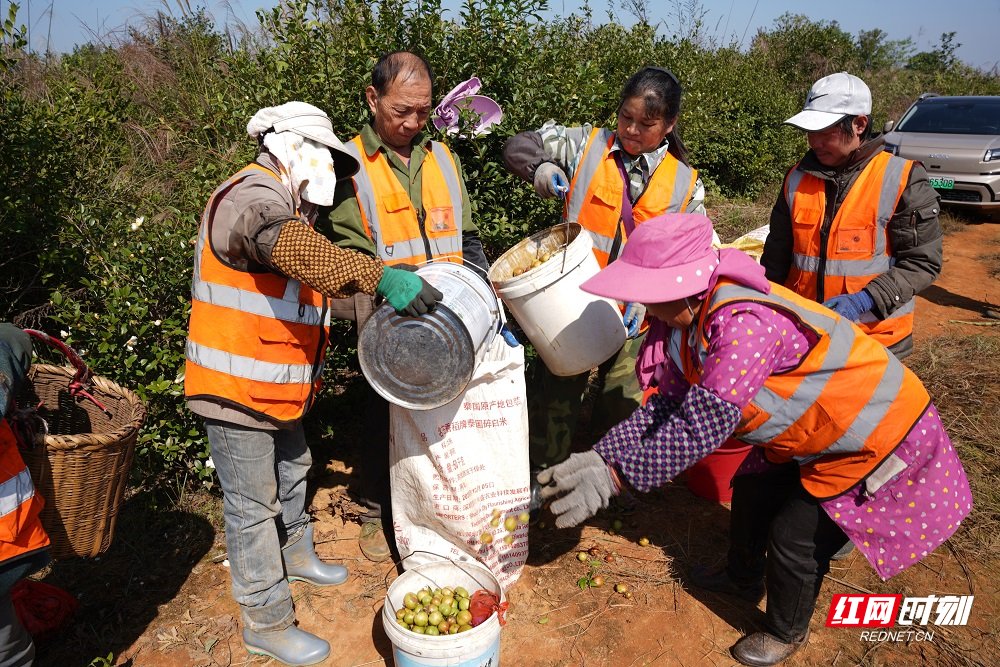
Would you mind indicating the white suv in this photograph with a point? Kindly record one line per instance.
(958, 141)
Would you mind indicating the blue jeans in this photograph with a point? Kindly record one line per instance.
(263, 479)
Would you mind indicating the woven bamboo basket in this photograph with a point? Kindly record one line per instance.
(81, 467)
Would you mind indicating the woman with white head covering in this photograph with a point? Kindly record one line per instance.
(848, 444)
(260, 315)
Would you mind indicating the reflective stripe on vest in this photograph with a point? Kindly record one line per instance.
(248, 367)
(848, 397)
(255, 339)
(287, 308)
(389, 216)
(14, 491)
(595, 193)
(857, 248)
(21, 529)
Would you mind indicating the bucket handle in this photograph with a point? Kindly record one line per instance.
(457, 563)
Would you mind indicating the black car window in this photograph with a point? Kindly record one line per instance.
(953, 118)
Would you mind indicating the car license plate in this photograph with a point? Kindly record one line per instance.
(943, 183)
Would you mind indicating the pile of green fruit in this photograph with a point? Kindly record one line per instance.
(442, 611)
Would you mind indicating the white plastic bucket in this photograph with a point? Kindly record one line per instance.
(425, 362)
(478, 647)
(572, 330)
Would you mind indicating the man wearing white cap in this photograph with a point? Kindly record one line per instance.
(259, 327)
(854, 227)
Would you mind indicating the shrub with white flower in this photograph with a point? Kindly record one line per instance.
(138, 223)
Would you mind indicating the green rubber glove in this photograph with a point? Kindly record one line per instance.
(407, 292)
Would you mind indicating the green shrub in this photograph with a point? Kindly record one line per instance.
(147, 128)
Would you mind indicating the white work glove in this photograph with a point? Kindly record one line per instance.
(550, 180)
(584, 485)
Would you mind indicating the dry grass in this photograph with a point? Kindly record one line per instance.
(962, 375)
(733, 218)
(955, 220)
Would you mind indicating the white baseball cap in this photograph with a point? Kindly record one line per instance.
(831, 99)
(307, 121)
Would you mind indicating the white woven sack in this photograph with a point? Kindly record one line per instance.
(452, 466)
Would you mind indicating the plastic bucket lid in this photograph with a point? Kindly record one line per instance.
(421, 363)
(478, 646)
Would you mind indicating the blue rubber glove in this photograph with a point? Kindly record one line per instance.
(407, 292)
(509, 337)
(851, 306)
(559, 184)
(632, 318)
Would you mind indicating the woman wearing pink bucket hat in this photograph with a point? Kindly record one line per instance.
(847, 440)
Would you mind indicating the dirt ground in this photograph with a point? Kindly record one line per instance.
(160, 597)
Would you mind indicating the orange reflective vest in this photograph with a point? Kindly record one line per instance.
(839, 413)
(255, 339)
(402, 234)
(595, 194)
(845, 257)
(20, 528)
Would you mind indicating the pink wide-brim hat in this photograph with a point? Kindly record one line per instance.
(666, 258)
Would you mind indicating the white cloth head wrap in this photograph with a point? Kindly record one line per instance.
(300, 137)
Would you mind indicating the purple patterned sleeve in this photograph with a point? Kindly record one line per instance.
(663, 438)
(677, 428)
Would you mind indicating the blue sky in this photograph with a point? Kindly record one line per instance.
(976, 22)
